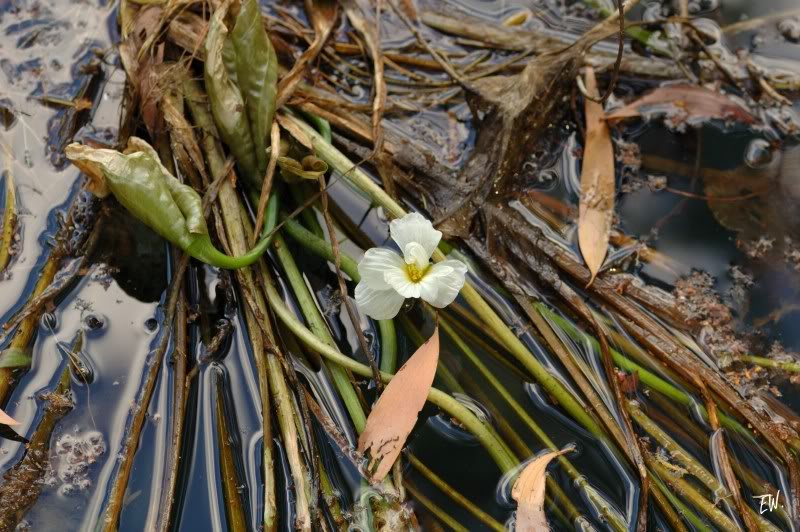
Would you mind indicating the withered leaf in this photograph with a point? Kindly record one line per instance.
(597, 183)
(689, 102)
(529, 491)
(395, 413)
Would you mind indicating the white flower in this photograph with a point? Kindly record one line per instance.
(387, 279)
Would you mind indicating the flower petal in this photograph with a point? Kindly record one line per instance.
(442, 282)
(375, 262)
(378, 304)
(399, 280)
(415, 254)
(413, 227)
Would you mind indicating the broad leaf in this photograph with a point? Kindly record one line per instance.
(257, 75)
(227, 104)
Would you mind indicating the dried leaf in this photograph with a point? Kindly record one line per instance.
(395, 413)
(686, 102)
(295, 132)
(227, 104)
(310, 167)
(323, 15)
(597, 183)
(529, 491)
(5, 419)
(257, 75)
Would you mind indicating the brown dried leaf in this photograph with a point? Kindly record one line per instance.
(597, 183)
(5, 419)
(529, 491)
(295, 131)
(689, 101)
(395, 413)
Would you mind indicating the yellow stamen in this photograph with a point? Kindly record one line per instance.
(414, 273)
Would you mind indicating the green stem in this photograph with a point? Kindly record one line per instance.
(697, 523)
(647, 377)
(793, 367)
(9, 222)
(451, 492)
(338, 161)
(435, 509)
(203, 249)
(691, 465)
(234, 509)
(688, 492)
(492, 380)
(349, 266)
(435, 396)
(320, 329)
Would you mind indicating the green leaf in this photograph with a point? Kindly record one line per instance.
(257, 73)
(141, 184)
(14, 357)
(145, 187)
(227, 104)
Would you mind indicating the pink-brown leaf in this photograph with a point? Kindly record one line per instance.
(395, 413)
(687, 101)
(529, 491)
(597, 183)
(5, 419)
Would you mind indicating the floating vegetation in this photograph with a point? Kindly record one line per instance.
(345, 265)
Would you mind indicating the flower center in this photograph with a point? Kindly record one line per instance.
(415, 273)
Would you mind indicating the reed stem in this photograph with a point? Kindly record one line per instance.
(9, 219)
(496, 449)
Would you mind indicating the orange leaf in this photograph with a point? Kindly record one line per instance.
(395, 413)
(82, 104)
(529, 491)
(597, 183)
(5, 419)
(689, 101)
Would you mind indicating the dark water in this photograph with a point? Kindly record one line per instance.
(64, 50)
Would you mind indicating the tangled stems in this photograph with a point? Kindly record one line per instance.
(494, 447)
(321, 248)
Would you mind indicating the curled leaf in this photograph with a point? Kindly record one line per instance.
(256, 74)
(143, 185)
(597, 183)
(395, 413)
(227, 104)
(310, 167)
(529, 492)
(685, 102)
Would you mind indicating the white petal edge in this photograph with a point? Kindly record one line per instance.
(398, 279)
(443, 282)
(378, 304)
(374, 263)
(413, 227)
